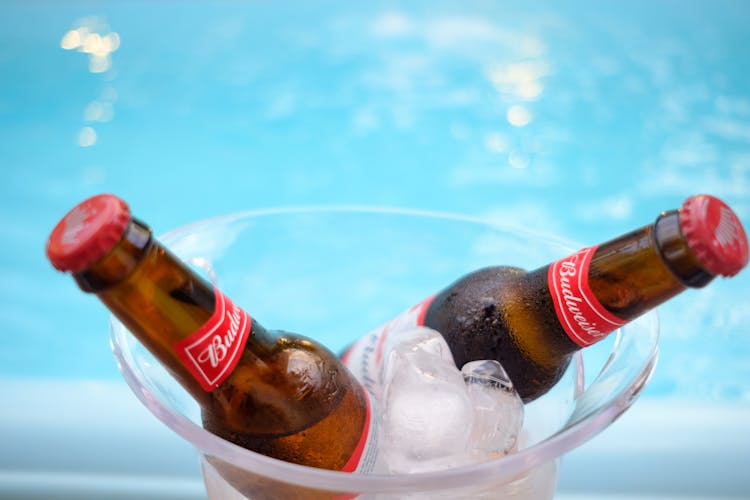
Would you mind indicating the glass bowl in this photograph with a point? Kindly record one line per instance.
(334, 273)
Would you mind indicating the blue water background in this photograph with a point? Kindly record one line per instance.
(579, 119)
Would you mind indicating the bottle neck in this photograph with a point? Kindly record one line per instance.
(596, 290)
(158, 298)
(638, 271)
(120, 262)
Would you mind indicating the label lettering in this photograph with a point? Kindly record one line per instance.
(212, 352)
(581, 315)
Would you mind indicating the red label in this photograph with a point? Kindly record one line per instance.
(365, 454)
(581, 315)
(212, 352)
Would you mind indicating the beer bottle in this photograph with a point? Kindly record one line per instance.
(276, 393)
(533, 322)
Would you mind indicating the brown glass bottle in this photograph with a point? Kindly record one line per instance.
(532, 322)
(273, 392)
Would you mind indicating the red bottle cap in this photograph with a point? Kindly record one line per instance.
(714, 232)
(87, 232)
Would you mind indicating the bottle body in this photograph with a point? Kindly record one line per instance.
(491, 313)
(532, 322)
(276, 393)
(281, 394)
(294, 403)
(502, 313)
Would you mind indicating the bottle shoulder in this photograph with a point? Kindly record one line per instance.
(490, 277)
(503, 313)
(283, 383)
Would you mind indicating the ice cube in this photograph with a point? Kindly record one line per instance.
(498, 409)
(420, 339)
(435, 416)
(426, 408)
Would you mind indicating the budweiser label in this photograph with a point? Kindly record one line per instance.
(365, 454)
(581, 315)
(364, 357)
(212, 352)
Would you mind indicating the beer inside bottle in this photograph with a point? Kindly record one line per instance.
(273, 392)
(533, 322)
